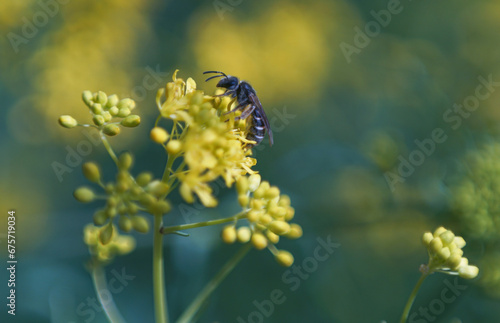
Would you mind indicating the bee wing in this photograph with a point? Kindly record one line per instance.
(256, 102)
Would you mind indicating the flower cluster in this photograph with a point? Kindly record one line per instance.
(117, 244)
(445, 254)
(108, 112)
(210, 146)
(268, 214)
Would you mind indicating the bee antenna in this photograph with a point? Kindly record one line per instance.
(206, 72)
(215, 76)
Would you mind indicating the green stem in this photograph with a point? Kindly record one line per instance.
(108, 148)
(100, 285)
(168, 168)
(201, 298)
(167, 230)
(413, 294)
(160, 297)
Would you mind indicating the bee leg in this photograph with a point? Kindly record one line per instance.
(238, 107)
(246, 112)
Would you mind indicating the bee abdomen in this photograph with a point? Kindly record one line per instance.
(256, 129)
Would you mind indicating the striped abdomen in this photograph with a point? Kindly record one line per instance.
(256, 128)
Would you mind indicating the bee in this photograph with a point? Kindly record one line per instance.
(249, 105)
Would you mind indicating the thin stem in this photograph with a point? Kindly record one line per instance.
(160, 297)
(168, 168)
(108, 148)
(413, 294)
(108, 304)
(194, 307)
(167, 230)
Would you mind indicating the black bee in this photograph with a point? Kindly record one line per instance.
(248, 103)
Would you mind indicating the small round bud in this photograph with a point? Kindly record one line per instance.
(158, 135)
(447, 237)
(91, 172)
(140, 224)
(114, 111)
(101, 97)
(279, 227)
(84, 195)
(272, 237)
(444, 253)
(459, 242)
(284, 200)
(243, 200)
(284, 258)
(88, 98)
(123, 112)
(454, 261)
(125, 161)
(272, 192)
(436, 245)
(98, 120)
(157, 188)
(132, 208)
(242, 185)
(125, 223)
(147, 199)
(290, 213)
(427, 238)
(253, 216)
(107, 116)
(265, 219)
(111, 130)
(174, 147)
(295, 231)
(126, 103)
(100, 217)
(438, 231)
(112, 100)
(259, 241)
(144, 178)
(106, 234)
(243, 234)
(96, 108)
(228, 234)
(67, 121)
(160, 207)
(468, 272)
(131, 121)
(253, 182)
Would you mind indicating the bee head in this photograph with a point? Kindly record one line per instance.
(229, 82)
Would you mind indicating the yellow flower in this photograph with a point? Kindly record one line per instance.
(117, 244)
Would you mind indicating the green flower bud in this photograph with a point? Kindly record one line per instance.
(459, 242)
(444, 253)
(100, 218)
(147, 199)
(132, 208)
(96, 108)
(125, 223)
(112, 100)
(140, 224)
(126, 103)
(123, 112)
(438, 231)
(91, 172)
(427, 238)
(106, 233)
(160, 207)
(111, 130)
(435, 245)
(447, 237)
(87, 97)
(101, 97)
(107, 116)
(67, 121)
(131, 121)
(84, 195)
(454, 261)
(113, 111)
(468, 272)
(98, 120)
(157, 188)
(144, 178)
(125, 161)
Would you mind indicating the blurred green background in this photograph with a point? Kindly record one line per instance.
(355, 91)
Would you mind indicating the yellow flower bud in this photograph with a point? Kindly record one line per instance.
(126, 103)
(265, 219)
(67, 121)
(427, 238)
(144, 178)
(125, 244)
(259, 241)
(468, 272)
(272, 237)
(147, 199)
(112, 100)
(98, 120)
(107, 116)
(243, 200)
(279, 227)
(186, 193)
(284, 200)
(101, 97)
(84, 195)
(106, 233)
(459, 242)
(295, 231)
(157, 188)
(125, 223)
(454, 261)
(290, 213)
(228, 234)
(243, 234)
(111, 130)
(272, 192)
(100, 217)
(125, 161)
(444, 253)
(160, 207)
(256, 204)
(91, 172)
(435, 245)
(131, 121)
(439, 231)
(447, 237)
(174, 147)
(96, 108)
(158, 135)
(253, 216)
(284, 258)
(140, 224)
(242, 185)
(87, 97)
(113, 111)
(253, 182)
(123, 112)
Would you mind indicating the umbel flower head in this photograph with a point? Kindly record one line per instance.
(116, 244)
(446, 254)
(268, 214)
(210, 146)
